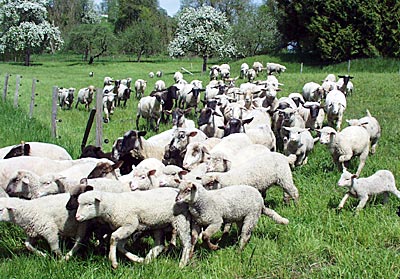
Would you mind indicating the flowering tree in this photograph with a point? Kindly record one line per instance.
(25, 28)
(204, 32)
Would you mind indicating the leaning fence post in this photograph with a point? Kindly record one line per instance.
(32, 98)
(54, 113)
(99, 117)
(17, 90)
(5, 87)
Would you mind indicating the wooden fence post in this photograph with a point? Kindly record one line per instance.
(348, 66)
(32, 98)
(54, 112)
(99, 117)
(5, 87)
(17, 84)
(301, 68)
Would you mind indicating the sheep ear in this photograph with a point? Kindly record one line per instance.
(151, 172)
(182, 173)
(25, 180)
(142, 133)
(192, 134)
(354, 176)
(88, 188)
(83, 181)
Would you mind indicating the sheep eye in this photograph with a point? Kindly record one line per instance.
(143, 177)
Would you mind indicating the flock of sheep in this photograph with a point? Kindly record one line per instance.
(187, 182)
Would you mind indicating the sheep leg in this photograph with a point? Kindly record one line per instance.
(80, 235)
(344, 199)
(118, 239)
(194, 238)
(275, 216)
(158, 248)
(363, 158)
(28, 244)
(385, 197)
(182, 225)
(363, 201)
(248, 225)
(210, 231)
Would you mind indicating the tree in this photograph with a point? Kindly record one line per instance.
(25, 28)
(91, 40)
(204, 32)
(256, 31)
(141, 38)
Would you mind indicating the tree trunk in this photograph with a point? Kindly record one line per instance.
(27, 57)
(205, 58)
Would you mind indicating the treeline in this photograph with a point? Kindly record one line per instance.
(326, 30)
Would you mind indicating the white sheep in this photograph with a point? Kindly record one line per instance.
(335, 105)
(171, 176)
(151, 74)
(345, 85)
(159, 85)
(178, 76)
(197, 152)
(330, 77)
(257, 67)
(150, 108)
(140, 87)
(124, 94)
(313, 92)
(159, 74)
(108, 105)
(243, 70)
(108, 81)
(133, 212)
(275, 68)
(85, 96)
(261, 171)
(299, 143)
(380, 182)
(239, 204)
(371, 124)
(36, 149)
(143, 176)
(66, 97)
(46, 217)
(351, 141)
(251, 75)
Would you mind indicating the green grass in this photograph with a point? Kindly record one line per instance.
(319, 242)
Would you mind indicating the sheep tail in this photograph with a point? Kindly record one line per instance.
(368, 113)
(275, 216)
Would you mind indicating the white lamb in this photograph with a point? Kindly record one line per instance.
(351, 141)
(335, 105)
(133, 212)
(313, 92)
(140, 87)
(261, 171)
(143, 177)
(371, 124)
(299, 143)
(243, 70)
(275, 68)
(239, 204)
(380, 182)
(159, 85)
(150, 108)
(46, 217)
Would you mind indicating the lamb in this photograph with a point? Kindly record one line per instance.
(330, 77)
(197, 152)
(85, 96)
(178, 76)
(251, 75)
(345, 85)
(209, 121)
(46, 217)
(299, 143)
(351, 141)
(213, 73)
(140, 87)
(159, 74)
(189, 96)
(313, 92)
(108, 105)
(124, 94)
(241, 204)
(151, 74)
(38, 165)
(66, 97)
(313, 114)
(150, 108)
(171, 176)
(243, 70)
(143, 175)
(225, 71)
(36, 149)
(221, 162)
(275, 68)
(159, 85)
(178, 118)
(133, 212)
(380, 182)
(335, 105)
(371, 124)
(258, 67)
(108, 81)
(261, 171)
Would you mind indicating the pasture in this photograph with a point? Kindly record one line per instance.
(319, 242)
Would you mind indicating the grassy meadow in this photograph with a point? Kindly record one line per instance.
(319, 242)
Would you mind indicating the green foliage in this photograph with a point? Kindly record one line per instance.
(336, 31)
(319, 242)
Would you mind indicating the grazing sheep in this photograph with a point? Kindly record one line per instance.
(351, 141)
(46, 217)
(261, 171)
(140, 87)
(313, 92)
(371, 124)
(335, 105)
(133, 212)
(299, 143)
(150, 108)
(380, 182)
(239, 204)
(330, 77)
(275, 68)
(85, 96)
(36, 149)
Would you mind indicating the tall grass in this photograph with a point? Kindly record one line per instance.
(319, 242)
